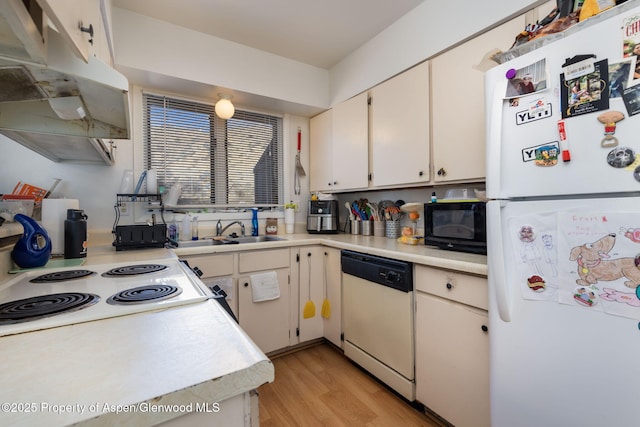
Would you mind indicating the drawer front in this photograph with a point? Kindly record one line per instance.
(212, 265)
(453, 285)
(263, 260)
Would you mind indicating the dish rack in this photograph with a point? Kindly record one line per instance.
(151, 235)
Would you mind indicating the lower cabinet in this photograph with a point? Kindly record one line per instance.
(266, 322)
(332, 325)
(320, 284)
(452, 346)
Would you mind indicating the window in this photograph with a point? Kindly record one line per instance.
(231, 162)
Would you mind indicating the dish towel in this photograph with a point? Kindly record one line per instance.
(265, 286)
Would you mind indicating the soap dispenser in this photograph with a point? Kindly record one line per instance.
(254, 222)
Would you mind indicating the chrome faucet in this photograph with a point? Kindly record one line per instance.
(220, 229)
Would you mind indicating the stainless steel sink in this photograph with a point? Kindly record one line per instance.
(204, 242)
(255, 239)
(228, 241)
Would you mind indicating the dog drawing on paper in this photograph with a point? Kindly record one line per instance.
(595, 264)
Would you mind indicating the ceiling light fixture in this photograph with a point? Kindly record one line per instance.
(224, 108)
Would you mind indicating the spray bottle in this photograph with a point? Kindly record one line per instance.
(254, 222)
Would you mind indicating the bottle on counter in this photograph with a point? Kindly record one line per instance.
(185, 232)
(75, 234)
(434, 199)
(254, 222)
(173, 230)
(194, 228)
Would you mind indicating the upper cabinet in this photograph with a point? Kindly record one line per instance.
(82, 25)
(457, 114)
(400, 129)
(339, 147)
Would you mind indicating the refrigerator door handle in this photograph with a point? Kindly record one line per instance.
(494, 106)
(495, 259)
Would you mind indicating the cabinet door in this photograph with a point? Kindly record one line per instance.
(457, 114)
(333, 288)
(400, 129)
(320, 161)
(68, 16)
(349, 142)
(266, 322)
(452, 360)
(311, 289)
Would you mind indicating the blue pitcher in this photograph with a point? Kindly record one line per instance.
(34, 247)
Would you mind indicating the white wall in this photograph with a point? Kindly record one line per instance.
(422, 33)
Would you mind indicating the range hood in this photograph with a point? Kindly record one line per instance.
(64, 110)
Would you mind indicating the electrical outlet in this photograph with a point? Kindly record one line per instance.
(124, 209)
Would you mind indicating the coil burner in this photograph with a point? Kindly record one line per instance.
(61, 276)
(143, 294)
(38, 307)
(134, 270)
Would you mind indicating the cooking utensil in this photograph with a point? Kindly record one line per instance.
(299, 169)
(325, 311)
(309, 310)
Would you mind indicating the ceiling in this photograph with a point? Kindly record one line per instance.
(314, 32)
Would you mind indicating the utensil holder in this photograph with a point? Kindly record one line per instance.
(378, 228)
(367, 228)
(356, 226)
(392, 229)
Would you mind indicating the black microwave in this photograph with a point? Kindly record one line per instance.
(456, 225)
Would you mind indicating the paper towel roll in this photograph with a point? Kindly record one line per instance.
(152, 181)
(54, 212)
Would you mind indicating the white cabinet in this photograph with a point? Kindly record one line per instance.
(339, 147)
(311, 291)
(266, 322)
(452, 345)
(320, 152)
(332, 325)
(400, 129)
(320, 277)
(458, 113)
(74, 20)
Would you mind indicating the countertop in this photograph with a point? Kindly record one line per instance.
(86, 373)
(380, 246)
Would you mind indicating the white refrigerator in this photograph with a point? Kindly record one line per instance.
(563, 179)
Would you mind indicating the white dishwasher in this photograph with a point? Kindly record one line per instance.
(378, 318)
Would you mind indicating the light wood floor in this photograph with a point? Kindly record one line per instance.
(319, 386)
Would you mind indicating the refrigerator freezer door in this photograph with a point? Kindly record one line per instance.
(517, 127)
(555, 364)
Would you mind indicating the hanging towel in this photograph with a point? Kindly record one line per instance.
(265, 287)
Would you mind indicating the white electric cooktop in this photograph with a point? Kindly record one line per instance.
(48, 298)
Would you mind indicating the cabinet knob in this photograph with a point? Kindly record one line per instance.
(485, 328)
(246, 284)
(449, 286)
(329, 184)
(420, 173)
(441, 172)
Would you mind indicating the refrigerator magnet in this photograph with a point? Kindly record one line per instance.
(609, 120)
(584, 295)
(526, 234)
(621, 157)
(536, 283)
(586, 93)
(547, 155)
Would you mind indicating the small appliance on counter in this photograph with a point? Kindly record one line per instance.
(323, 217)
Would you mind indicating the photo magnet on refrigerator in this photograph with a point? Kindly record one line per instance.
(585, 94)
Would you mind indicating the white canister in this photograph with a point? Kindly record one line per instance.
(289, 220)
(54, 213)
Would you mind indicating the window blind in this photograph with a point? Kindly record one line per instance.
(232, 162)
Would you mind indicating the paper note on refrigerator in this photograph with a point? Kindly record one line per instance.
(533, 238)
(599, 261)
